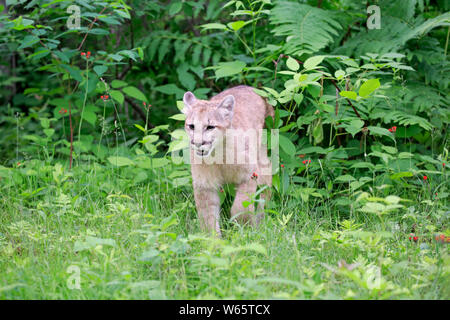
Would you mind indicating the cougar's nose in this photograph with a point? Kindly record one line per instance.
(198, 144)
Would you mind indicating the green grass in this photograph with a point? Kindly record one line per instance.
(142, 240)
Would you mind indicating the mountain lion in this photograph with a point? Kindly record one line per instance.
(225, 135)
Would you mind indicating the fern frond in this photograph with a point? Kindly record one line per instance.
(307, 29)
(406, 119)
(392, 36)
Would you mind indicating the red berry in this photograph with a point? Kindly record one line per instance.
(415, 239)
(282, 165)
(83, 54)
(425, 177)
(102, 97)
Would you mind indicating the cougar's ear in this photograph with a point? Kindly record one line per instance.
(226, 107)
(189, 100)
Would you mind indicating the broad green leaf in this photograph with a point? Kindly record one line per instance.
(120, 161)
(74, 73)
(236, 25)
(368, 87)
(62, 55)
(117, 95)
(92, 242)
(100, 70)
(389, 149)
(139, 127)
(349, 94)
(28, 41)
(175, 7)
(209, 26)
(134, 93)
(339, 74)
(118, 84)
(286, 145)
(354, 126)
(298, 98)
(170, 89)
(49, 132)
(292, 64)
(345, 178)
(312, 62)
(178, 117)
(90, 117)
(399, 175)
(226, 69)
(380, 132)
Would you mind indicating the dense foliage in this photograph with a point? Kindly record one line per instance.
(90, 115)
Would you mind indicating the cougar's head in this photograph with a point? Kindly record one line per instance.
(206, 122)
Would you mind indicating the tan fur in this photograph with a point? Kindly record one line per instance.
(238, 108)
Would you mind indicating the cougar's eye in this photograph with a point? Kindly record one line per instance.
(191, 126)
(210, 127)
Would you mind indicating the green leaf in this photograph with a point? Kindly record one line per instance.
(226, 69)
(236, 25)
(62, 56)
(292, 64)
(74, 73)
(368, 87)
(49, 132)
(170, 89)
(287, 145)
(178, 117)
(380, 132)
(209, 26)
(118, 84)
(120, 161)
(399, 175)
(298, 98)
(345, 178)
(90, 117)
(118, 96)
(92, 242)
(100, 70)
(349, 94)
(312, 62)
(134, 93)
(28, 41)
(175, 7)
(186, 78)
(354, 126)
(139, 127)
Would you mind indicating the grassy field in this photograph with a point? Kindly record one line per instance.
(129, 240)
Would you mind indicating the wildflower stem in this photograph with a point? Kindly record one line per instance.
(84, 103)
